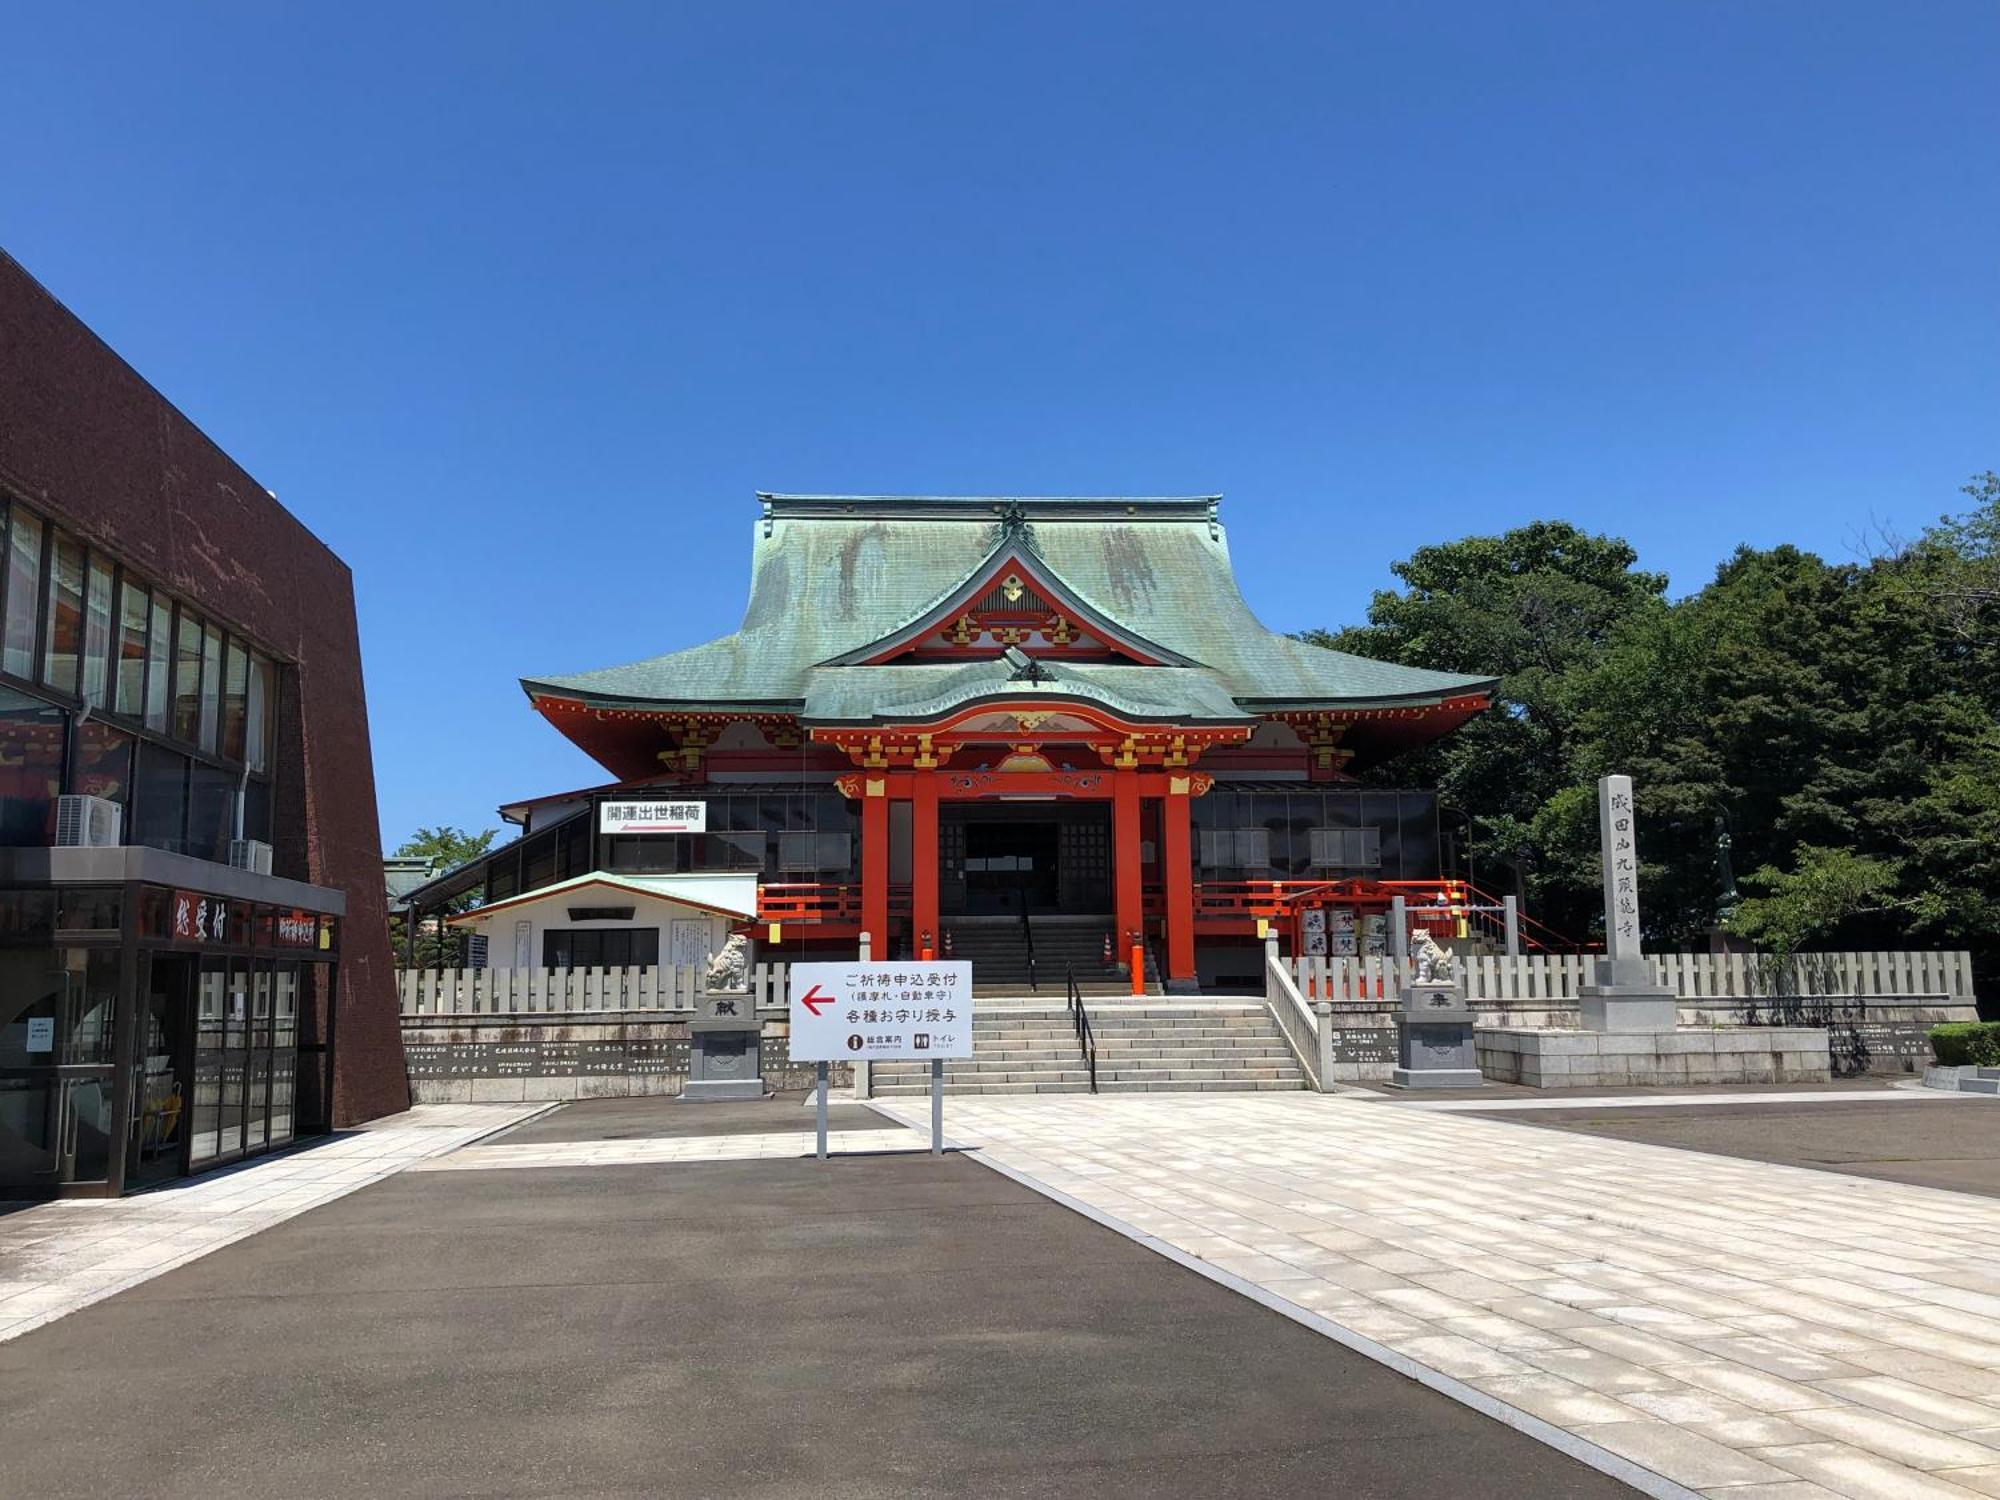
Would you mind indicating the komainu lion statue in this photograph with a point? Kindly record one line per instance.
(730, 969)
(1433, 959)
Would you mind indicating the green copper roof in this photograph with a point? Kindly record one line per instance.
(832, 575)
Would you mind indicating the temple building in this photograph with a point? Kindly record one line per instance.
(978, 727)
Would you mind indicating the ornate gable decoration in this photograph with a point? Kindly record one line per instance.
(1014, 599)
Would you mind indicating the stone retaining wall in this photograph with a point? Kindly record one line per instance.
(609, 1055)
(1872, 1034)
(1547, 1059)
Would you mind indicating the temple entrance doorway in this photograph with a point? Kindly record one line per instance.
(999, 859)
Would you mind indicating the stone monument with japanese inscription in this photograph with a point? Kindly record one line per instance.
(1631, 1032)
(1625, 996)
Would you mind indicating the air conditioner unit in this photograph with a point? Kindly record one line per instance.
(88, 822)
(250, 854)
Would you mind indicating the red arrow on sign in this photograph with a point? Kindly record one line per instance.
(812, 999)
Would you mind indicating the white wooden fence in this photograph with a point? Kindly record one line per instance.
(518, 992)
(1560, 978)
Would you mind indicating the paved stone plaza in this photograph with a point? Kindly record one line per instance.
(1744, 1329)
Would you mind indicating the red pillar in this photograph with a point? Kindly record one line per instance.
(1177, 877)
(875, 865)
(924, 864)
(1125, 872)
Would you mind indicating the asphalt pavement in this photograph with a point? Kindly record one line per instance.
(671, 1119)
(1949, 1143)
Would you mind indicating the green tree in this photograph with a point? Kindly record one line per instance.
(1534, 606)
(1841, 719)
(447, 848)
(1825, 890)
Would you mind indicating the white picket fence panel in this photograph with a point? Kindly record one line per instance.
(1560, 977)
(525, 992)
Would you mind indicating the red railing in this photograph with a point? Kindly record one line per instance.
(1449, 908)
(822, 905)
(808, 901)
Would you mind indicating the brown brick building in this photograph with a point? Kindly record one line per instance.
(194, 959)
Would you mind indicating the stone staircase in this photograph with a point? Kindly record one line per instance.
(1028, 1046)
(998, 954)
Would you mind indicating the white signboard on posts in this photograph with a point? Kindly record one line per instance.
(655, 816)
(908, 1009)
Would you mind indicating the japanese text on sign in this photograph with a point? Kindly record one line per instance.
(200, 919)
(1618, 829)
(873, 1012)
(652, 817)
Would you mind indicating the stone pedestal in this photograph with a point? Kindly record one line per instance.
(1434, 1045)
(1626, 1000)
(724, 1060)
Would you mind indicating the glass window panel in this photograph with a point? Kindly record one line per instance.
(89, 908)
(159, 648)
(1416, 849)
(600, 947)
(88, 1033)
(257, 726)
(798, 853)
(1253, 852)
(24, 576)
(64, 646)
(159, 821)
(205, 1134)
(187, 676)
(1381, 812)
(235, 699)
(733, 851)
(1214, 848)
(539, 861)
(211, 809)
(31, 764)
(211, 685)
(97, 633)
(257, 809)
(257, 1121)
(836, 853)
(103, 762)
(129, 691)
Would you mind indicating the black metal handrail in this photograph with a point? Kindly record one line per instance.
(1086, 1039)
(1028, 937)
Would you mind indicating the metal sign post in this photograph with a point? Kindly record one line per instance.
(820, 1110)
(937, 1106)
(917, 1010)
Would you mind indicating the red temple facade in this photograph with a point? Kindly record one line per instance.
(943, 717)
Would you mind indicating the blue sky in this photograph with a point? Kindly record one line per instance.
(516, 305)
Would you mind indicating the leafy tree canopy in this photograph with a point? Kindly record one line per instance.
(446, 847)
(1840, 722)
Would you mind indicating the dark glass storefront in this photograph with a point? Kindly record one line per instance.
(148, 1031)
